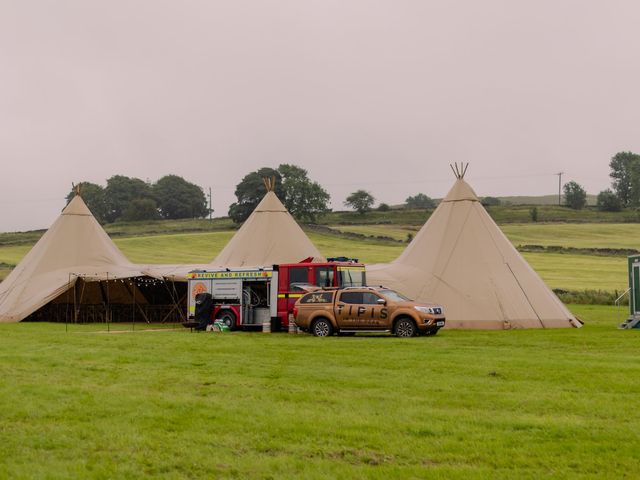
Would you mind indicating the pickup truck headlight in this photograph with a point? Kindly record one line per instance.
(430, 310)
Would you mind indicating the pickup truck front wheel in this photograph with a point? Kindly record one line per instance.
(322, 328)
(405, 327)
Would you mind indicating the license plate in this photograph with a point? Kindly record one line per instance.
(440, 324)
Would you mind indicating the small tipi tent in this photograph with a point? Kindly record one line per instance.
(75, 247)
(462, 260)
(269, 236)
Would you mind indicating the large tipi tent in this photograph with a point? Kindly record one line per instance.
(269, 236)
(462, 260)
(74, 249)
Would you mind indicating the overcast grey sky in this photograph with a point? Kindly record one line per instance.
(380, 95)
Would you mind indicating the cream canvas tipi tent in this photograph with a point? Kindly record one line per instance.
(462, 260)
(269, 236)
(75, 247)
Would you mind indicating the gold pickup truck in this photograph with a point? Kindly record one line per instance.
(366, 309)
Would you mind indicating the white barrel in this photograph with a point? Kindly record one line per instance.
(266, 327)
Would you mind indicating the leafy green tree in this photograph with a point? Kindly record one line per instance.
(625, 173)
(491, 202)
(608, 201)
(533, 213)
(177, 198)
(93, 195)
(384, 207)
(250, 192)
(304, 198)
(140, 209)
(574, 196)
(420, 201)
(119, 193)
(360, 201)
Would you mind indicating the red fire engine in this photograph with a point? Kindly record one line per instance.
(249, 297)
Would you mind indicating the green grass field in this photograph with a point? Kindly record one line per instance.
(464, 404)
(580, 272)
(174, 248)
(585, 235)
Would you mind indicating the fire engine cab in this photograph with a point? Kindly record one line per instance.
(249, 297)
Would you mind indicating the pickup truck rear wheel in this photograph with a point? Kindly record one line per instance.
(322, 328)
(405, 327)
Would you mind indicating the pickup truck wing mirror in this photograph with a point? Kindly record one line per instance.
(381, 301)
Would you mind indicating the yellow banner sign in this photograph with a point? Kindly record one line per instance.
(245, 274)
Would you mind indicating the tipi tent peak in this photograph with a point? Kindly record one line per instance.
(269, 183)
(459, 171)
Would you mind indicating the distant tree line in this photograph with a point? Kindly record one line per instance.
(131, 199)
(306, 199)
(172, 197)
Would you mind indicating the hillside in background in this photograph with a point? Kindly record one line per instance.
(503, 214)
(571, 250)
(540, 200)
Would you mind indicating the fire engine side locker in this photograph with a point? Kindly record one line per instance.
(229, 289)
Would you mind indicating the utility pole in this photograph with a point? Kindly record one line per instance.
(560, 188)
(210, 204)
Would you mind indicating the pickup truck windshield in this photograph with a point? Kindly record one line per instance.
(393, 295)
(352, 277)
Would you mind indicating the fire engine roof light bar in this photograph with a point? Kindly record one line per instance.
(342, 259)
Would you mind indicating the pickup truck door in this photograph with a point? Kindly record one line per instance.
(375, 312)
(346, 309)
(360, 310)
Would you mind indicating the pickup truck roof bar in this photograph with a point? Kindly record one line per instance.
(364, 287)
